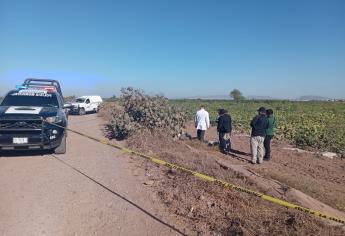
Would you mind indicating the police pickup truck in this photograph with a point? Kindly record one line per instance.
(33, 117)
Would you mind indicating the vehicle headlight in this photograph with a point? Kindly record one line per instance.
(53, 119)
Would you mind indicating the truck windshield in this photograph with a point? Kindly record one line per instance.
(30, 99)
(80, 100)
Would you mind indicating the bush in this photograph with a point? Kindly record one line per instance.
(305, 136)
(138, 111)
(334, 138)
(106, 109)
(70, 99)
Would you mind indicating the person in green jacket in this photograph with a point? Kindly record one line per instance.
(269, 134)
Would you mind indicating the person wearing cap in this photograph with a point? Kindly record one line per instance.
(259, 125)
(202, 122)
(269, 134)
(224, 129)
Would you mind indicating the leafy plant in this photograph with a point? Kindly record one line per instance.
(139, 111)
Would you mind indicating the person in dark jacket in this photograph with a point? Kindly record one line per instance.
(224, 129)
(269, 134)
(259, 125)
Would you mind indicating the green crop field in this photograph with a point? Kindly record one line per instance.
(307, 124)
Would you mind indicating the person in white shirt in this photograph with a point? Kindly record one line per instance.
(202, 122)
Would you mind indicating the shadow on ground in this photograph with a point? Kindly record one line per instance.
(25, 153)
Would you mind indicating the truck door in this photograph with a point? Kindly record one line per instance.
(88, 105)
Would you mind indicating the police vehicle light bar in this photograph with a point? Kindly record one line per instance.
(21, 87)
(46, 88)
(46, 84)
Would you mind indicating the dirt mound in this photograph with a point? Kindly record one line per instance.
(208, 209)
(279, 190)
(320, 177)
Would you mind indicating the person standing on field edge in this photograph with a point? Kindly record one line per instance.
(259, 125)
(269, 134)
(202, 122)
(224, 129)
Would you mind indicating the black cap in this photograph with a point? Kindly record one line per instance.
(269, 111)
(222, 111)
(262, 109)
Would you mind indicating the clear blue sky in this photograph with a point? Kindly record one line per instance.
(176, 47)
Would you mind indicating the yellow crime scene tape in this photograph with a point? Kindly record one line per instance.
(211, 179)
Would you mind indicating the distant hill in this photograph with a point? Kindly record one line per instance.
(256, 97)
(227, 97)
(259, 98)
(211, 97)
(312, 98)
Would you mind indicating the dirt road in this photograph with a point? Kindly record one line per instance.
(92, 190)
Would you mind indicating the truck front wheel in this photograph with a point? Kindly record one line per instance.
(62, 148)
(82, 111)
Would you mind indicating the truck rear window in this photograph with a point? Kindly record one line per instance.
(30, 98)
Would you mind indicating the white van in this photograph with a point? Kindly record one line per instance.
(86, 104)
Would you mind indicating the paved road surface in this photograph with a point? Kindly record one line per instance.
(42, 195)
